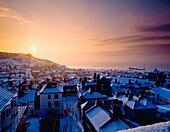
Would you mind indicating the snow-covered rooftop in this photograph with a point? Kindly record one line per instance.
(90, 83)
(5, 97)
(92, 95)
(35, 86)
(34, 124)
(73, 82)
(124, 80)
(158, 127)
(113, 126)
(136, 103)
(29, 96)
(51, 90)
(97, 117)
(163, 92)
(163, 108)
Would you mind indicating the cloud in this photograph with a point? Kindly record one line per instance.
(162, 28)
(135, 38)
(10, 13)
(157, 33)
(147, 38)
(121, 39)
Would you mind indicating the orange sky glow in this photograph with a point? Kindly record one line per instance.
(77, 33)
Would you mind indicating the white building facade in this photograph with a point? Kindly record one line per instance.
(50, 101)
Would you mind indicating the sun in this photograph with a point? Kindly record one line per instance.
(33, 48)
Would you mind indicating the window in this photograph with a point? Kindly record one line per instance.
(56, 103)
(49, 104)
(49, 96)
(56, 96)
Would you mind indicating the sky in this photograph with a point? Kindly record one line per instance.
(89, 33)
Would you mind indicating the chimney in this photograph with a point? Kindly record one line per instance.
(130, 96)
(94, 77)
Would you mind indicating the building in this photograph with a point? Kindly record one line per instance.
(90, 84)
(10, 114)
(100, 120)
(70, 86)
(85, 106)
(29, 98)
(138, 109)
(50, 99)
(158, 127)
(160, 95)
(153, 75)
(85, 95)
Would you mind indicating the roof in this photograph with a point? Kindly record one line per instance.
(89, 83)
(113, 126)
(52, 90)
(158, 127)
(114, 84)
(98, 117)
(73, 82)
(163, 92)
(35, 85)
(5, 97)
(155, 71)
(29, 96)
(92, 95)
(124, 80)
(136, 103)
(164, 108)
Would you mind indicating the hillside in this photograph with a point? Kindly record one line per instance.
(24, 59)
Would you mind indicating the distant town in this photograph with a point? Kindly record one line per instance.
(38, 95)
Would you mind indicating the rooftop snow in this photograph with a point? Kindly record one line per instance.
(5, 97)
(29, 96)
(135, 103)
(163, 108)
(34, 124)
(163, 92)
(158, 127)
(92, 95)
(124, 80)
(35, 86)
(51, 90)
(97, 117)
(113, 126)
(72, 82)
